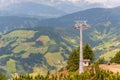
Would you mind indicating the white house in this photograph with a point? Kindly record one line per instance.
(86, 62)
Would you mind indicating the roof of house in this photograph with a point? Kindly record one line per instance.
(86, 60)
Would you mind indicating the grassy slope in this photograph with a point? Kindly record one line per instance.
(109, 39)
(42, 49)
(23, 44)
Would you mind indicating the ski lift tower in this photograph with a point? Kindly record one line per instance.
(81, 25)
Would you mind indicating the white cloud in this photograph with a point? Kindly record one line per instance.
(113, 3)
(96, 1)
(7, 2)
(105, 3)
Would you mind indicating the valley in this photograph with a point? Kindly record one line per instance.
(47, 49)
(36, 46)
(33, 48)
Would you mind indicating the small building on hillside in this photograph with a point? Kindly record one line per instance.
(86, 62)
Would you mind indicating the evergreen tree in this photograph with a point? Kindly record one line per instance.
(73, 60)
(102, 60)
(116, 59)
(88, 53)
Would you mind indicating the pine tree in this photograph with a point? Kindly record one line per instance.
(102, 60)
(116, 59)
(73, 60)
(88, 53)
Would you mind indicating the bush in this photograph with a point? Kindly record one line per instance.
(2, 76)
(95, 73)
(102, 61)
(116, 59)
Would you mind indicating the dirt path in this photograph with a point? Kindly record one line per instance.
(113, 67)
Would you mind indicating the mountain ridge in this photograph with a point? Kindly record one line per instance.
(48, 47)
(31, 9)
(94, 15)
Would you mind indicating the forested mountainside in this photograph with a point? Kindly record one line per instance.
(94, 17)
(38, 50)
(29, 50)
(27, 45)
(8, 23)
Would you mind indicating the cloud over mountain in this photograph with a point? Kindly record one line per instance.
(67, 5)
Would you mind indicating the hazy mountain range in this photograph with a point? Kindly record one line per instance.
(35, 46)
(94, 16)
(30, 9)
(37, 35)
(50, 8)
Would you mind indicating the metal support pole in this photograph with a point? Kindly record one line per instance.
(81, 25)
(81, 54)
